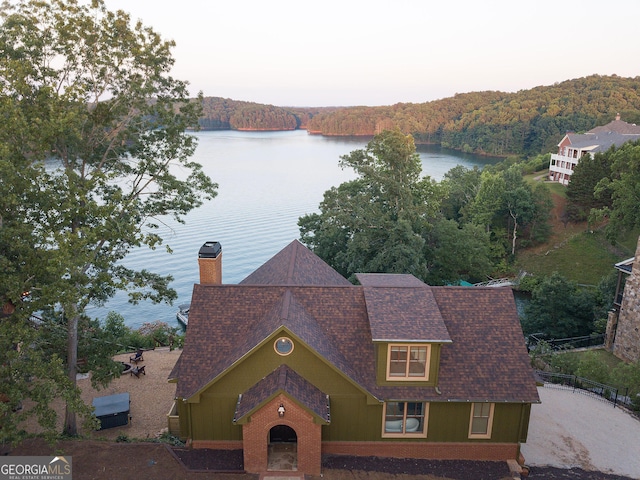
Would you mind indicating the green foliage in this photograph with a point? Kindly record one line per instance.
(159, 333)
(597, 365)
(31, 379)
(166, 437)
(559, 309)
(378, 222)
(527, 122)
(536, 163)
(459, 253)
(93, 150)
(624, 187)
(591, 367)
(506, 203)
(567, 364)
(462, 185)
(581, 191)
(603, 297)
(585, 258)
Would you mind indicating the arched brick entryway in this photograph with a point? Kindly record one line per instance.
(282, 451)
(256, 434)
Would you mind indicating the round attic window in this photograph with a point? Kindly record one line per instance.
(283, 346)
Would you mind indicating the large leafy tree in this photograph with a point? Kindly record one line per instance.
(559, 309)
(377, 222)
(581, 190)
(462, 187)
(507, 206)
(460, 252)
(623, 184)
(94, 152)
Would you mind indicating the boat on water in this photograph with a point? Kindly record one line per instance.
(183, 313)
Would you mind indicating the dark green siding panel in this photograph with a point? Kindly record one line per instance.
(526, 415)
(213, 418)
(264, 360)
(449, 422)
(183, 413)
(507, 422)
(353, 420)
(212, 414)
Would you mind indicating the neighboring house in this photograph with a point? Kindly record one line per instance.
(600, 139)
(623, 325)
(392, 367)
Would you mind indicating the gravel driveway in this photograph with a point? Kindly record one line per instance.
(570, 429)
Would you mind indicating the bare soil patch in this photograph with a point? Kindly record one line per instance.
(98, 460)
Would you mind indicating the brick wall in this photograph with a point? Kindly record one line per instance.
(210, 270)
(255, 434)
(216, 444)
(425, 450)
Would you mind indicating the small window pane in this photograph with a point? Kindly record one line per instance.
(393, 417)
(398, 362)
(415, 418)
(418, 362)
(480, 421)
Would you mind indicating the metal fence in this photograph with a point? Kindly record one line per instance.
(584, 385)
(567, 343)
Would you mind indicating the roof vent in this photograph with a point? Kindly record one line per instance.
(210, 250)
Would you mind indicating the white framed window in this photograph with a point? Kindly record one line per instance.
(407, 362)
(405, 419)
(481, 420)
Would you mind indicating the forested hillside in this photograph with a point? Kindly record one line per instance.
(525, 123)
(226, 114)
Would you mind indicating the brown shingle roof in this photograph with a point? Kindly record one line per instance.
(284, 379)
(486, 359)
(402, 309)
(295, 265)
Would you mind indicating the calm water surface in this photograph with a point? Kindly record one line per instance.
(267, 180)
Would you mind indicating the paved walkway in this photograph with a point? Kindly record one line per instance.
(570, 429)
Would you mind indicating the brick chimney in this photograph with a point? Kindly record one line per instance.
(210, 263)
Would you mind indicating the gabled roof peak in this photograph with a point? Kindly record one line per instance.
(295, 265)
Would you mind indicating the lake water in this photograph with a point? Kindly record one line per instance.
(267, 180)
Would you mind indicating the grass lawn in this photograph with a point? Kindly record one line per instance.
(604, 356)
(584, 258)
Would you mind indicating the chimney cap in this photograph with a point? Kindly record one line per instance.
(210, 250)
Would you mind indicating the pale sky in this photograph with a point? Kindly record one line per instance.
(373, 52)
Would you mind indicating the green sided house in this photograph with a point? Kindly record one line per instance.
(391, 367)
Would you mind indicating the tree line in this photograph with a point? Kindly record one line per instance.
(526, 123)
(225, 114)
